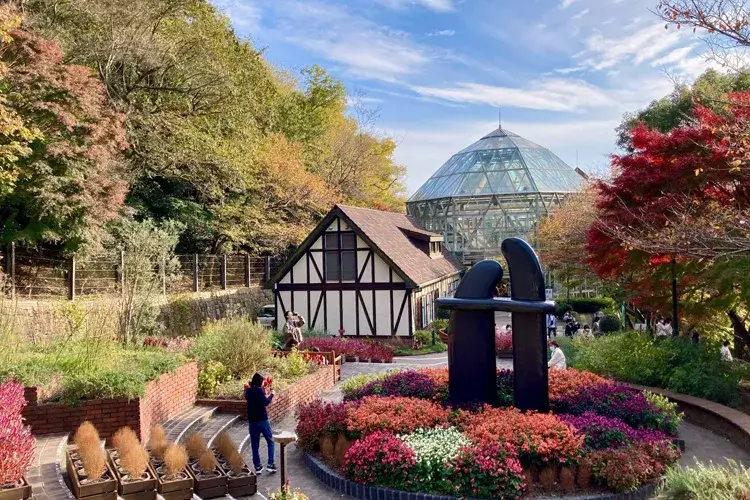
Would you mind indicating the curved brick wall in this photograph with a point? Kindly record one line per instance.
(284, 402)
(164, 398)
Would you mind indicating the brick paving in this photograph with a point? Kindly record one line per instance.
(44, 476)
(211, 428)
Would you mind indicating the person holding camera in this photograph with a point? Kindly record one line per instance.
(256, 399)
(293, 330)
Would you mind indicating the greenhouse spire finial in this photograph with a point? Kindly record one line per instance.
(500, 118)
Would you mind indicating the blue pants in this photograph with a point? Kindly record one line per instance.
(256, 429)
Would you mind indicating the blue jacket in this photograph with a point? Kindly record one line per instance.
(256, 404)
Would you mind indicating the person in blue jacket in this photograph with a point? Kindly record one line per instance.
(255, 396)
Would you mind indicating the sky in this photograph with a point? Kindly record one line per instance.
(561, 72)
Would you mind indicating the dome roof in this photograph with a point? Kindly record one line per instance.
(500, 163)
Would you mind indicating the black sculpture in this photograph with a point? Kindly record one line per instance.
(471, 330)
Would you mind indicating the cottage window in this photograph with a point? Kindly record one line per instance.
(340, 257)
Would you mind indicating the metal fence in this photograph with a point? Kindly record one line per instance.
(41, 273)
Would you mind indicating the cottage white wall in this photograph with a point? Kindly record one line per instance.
(443, 287)
(379, 310)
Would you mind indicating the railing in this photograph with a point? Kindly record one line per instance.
(31, 273)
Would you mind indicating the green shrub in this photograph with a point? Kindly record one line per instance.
(706, 482)
(424, 337)
(315, 333)
(442, 313)
(664, 405)
(294, 365)
(439, 324)
(358, 381)
(238, 343)
(609, 324)
(212, 374)
(675, 364)
(586, 306)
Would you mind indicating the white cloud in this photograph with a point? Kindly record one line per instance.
(567, 3)
(550, 95)
(442, 33)
(580, 14)
(676, 56)
(437, 5)
(641, 46)
(366, 50)
(245, 14)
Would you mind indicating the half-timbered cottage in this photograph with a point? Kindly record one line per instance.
(364, 272)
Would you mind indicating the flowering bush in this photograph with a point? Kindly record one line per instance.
(318, 419)
(286, 493)
(336, 345)
(433, 449)
(570, 382)
(618, 401)
(439, 377)
(503, 341)
(406, 384)
(351, 386)
(16, 441)
(606, 432)
(378, 352)
(624, 469)
(541, 439)
(490, 470)
(380, 459)
(395, 414)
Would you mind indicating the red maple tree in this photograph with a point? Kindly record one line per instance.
(671, 197)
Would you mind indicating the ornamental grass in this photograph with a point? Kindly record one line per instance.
(195, 445)
(134, 459)
(541, 439)
(396, 414)
(157, 441)
(175, 459)
(123, 438)
(225, 444)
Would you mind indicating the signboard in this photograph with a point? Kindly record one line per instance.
(548, 294)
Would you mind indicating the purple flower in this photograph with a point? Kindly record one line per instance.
(618, 401)
(405, 384)
(607, 432)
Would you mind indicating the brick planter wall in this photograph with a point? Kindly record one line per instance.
(164, 397)
(284, 402)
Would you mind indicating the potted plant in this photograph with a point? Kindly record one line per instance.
(16, 444)
(168, 464)
(210, 480)
(286, 493)
(86, 463)
(129, 461)
(242, 480)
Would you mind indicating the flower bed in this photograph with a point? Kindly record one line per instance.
(351, 349)
(503, 342)
(397, 432)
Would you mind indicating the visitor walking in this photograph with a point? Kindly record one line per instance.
(293, 330)
(596, 329)
(568, 317)
(551, 326)
(726, 354)
(256, 399)
(557, 360)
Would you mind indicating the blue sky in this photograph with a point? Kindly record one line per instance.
(563, 71)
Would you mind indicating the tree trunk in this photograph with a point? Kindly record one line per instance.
(741, 334)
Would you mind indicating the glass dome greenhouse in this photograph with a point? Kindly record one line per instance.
(497, 188)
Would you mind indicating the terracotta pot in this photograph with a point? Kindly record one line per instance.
(327, 447)
(342, 446)
(548, 476)
(568, 478)
(584, 476)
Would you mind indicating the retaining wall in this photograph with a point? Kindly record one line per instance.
(164, 398)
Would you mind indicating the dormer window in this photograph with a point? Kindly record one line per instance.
(436, 249)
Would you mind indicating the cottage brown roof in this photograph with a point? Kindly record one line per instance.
(384, 230)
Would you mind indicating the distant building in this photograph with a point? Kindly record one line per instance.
(366, 273)
(499, 187)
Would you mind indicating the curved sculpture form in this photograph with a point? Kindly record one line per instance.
(531, 389)
(471, 330)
